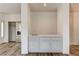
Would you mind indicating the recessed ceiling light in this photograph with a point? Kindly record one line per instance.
(44, 4)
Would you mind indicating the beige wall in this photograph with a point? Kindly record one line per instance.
(75, 27)
(44, 23)
(6, 18)
(9, 18)
(59, 21)
(13, 17)
(71, 27)
(2, 17)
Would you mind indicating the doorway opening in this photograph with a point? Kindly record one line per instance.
(14, 31)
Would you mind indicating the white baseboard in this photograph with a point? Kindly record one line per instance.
(74, 44)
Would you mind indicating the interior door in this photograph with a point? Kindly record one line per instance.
(12, 31)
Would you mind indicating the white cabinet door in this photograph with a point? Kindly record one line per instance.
(53, 45)
(59, 44)
(56, 45)
(44, 44)
(33, 44)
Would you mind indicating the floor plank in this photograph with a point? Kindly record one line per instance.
(74, 50)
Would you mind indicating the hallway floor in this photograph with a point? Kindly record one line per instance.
(74, 50)
(13, 49)
(10, 49)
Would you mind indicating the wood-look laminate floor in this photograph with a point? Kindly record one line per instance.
(74, 50)
(14, 49)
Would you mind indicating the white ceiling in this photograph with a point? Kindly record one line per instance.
(40, 7)
(10, 7)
